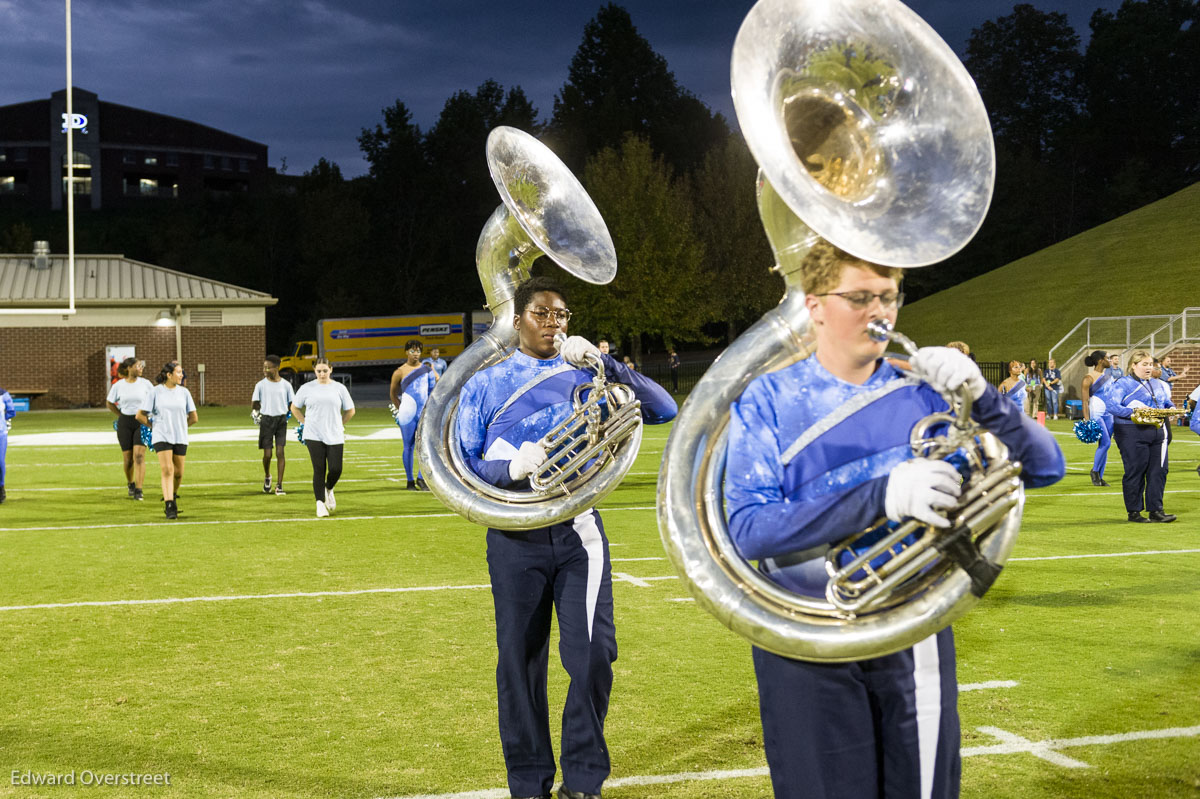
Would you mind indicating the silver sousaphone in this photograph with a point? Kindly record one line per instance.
(868, 133)
(545, 211)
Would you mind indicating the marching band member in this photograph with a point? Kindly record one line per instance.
(818, 451)
(1014, 386)
(435, 360)
(1143, 447)
(411, 383)
(1092, 389)
(504, 411)
(9, 411)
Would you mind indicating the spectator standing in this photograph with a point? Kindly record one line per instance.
(1033, 385)
(270, 402)
(1052, 384)
(673, 364)
(1169, 375)
(125, 398)
(1114, 366)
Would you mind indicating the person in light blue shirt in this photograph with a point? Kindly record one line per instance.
(436, 362)
(10, 410)
(169, 410)
(504, 411)
(819, 451)
(1052, 382)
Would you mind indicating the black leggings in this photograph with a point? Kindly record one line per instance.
(327, 465)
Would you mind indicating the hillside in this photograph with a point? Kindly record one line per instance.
(1145, 262)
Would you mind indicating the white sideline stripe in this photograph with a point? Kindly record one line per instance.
(299, 594)
(249, 484)
(984, 686)
(1043, 749)
(182, 522)
(1111, 554)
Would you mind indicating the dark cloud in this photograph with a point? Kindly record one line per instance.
(305, 76)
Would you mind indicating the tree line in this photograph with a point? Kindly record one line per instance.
(1083, 134)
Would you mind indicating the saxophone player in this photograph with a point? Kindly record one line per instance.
(819, 450)
(504, 411)
(1143, 447)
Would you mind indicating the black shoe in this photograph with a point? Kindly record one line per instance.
(566, 793)
(421, 484)
(3, 496)
(267, 484)
(132, 490)
(1137, 517)
(171, 510)
(411, 486)
(1198, 470)
(1159, 516)
(137, 494)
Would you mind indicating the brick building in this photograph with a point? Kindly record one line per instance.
(124, 156)
(218, 330)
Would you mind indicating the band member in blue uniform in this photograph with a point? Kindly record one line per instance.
(1095, 385)
(1143, 447)
(1014, 387)
(503, 412)
(435, 360)
(818, 451)
(411, 385)
(9, 411)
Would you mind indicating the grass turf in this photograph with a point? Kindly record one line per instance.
(391, 692)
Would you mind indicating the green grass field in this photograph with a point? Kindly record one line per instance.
(251, 650)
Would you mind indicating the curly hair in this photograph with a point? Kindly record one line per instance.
(532, 286)
(821, 269)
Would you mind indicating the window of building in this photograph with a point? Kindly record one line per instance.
(210, 162)
(82, 166)
(129, 157)
(150, 159)
(243, 165)
(172, 159)
(9, 185)
(226, 163)
(20, 154)
(148, 187)
(3, 155)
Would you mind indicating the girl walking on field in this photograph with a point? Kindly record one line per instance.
(324, 406)
(125, 398)
(169, 410)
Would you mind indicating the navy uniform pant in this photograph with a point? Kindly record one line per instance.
(883, 728)
(1144, 454)
(564, 568)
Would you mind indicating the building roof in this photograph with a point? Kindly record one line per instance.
(108, 280)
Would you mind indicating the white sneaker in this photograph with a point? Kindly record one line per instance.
(330, 502)
(322, 511)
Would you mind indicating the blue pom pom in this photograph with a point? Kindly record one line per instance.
(1087, 431)
(147, 435)
(115, 425)
(300, 433)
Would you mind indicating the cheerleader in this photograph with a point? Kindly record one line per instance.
(1013, 386)
(326, 405)
(169, 410)
(1143, 447)
(125, 397)
(10, 410)
(1095, 384)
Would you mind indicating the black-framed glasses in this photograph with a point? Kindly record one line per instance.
(861, 300)
(543, 314)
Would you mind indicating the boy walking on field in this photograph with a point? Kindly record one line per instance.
(272, 398)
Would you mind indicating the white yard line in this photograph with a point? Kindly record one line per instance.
(1013, 744)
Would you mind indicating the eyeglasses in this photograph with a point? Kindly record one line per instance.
(543, 314)
(862, 299)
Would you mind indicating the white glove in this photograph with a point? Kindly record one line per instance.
(576, 349)
(256, 417)
(528, 458)
(946, 369)
(920, 488)
(393, 410)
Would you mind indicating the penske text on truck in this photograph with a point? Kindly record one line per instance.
(376, 341)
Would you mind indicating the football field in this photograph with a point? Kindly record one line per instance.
(249, 649)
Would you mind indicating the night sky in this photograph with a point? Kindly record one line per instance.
(305, 76)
